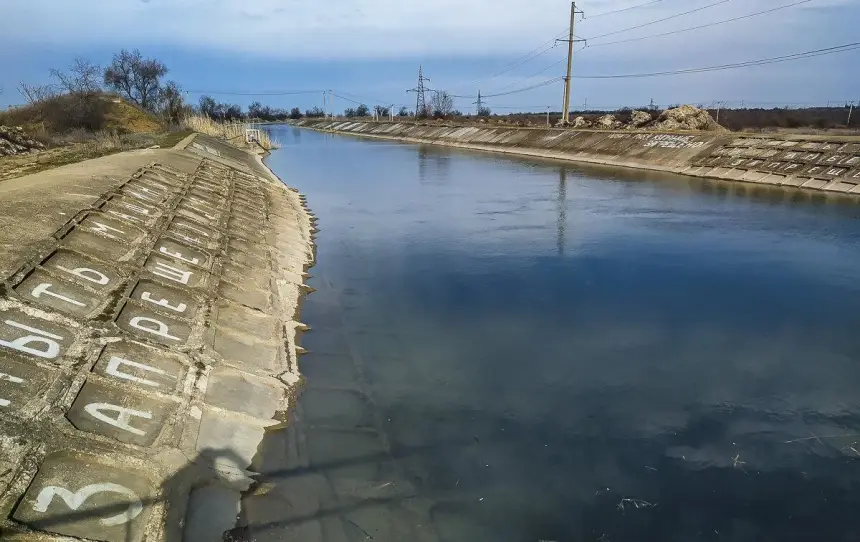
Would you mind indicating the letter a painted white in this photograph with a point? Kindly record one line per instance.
(146, 296)
(76, 500)
(40, 337)
(43, 289)
(115, 363)
(160, 328)
(171, 273)
(122, 418)
(87, 274)
(179, 256)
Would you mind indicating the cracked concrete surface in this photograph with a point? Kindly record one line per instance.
(147, 339)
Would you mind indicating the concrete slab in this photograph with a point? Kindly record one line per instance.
(193, 233)
(167, 300)
(175, 273)
(33, 338)
(85, 498)
(229, 443)
(242, 320)
(135, 363)
(212, 510)
(348, 409)
(246, 276)
(104, 237)
(149, 325)
(86, 271)
(255, 298)
(50, 292)
(120, 414)
(230, 389)
(20, 384)
(147, 192)
(328, 371)
(132, 209)
(182, 253)
(246, 353)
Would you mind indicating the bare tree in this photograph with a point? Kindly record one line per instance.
(82, 79)
(136, 78)
(403, 112)
(381, 111)
(207, 106)
(34, 94)
(442, 104)
(172, 103)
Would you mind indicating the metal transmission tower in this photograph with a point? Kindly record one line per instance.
(420, 90)
(565, 112)
(479, 103)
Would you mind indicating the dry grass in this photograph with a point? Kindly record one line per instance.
(74, 146)
(232, 131)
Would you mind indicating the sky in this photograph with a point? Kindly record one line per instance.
(370, 50)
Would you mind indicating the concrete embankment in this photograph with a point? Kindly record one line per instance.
(825, 163)
(147, 339)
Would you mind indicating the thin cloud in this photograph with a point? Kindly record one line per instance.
(343, 28)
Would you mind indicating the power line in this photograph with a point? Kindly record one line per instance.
(625, 9)
(267, 93)
(733, 19)
(760, 62)
(659, 20)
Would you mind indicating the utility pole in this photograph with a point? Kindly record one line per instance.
(331, 101)
(420, 102)
(850, 110)
(565, 113)
(325, 106)
(547, 116)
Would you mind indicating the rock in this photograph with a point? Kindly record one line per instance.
(581, 122)
(15, 141)
(639, 119)
(686, 117)
(608, 122)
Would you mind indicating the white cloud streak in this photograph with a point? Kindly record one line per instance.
(347, 28)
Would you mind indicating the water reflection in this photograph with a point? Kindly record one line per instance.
(683, 368)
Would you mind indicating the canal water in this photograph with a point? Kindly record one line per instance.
(505, 350)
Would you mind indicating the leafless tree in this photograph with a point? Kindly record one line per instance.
(82, 79)
(136, 78)
(35, 94)
(172, 103)
(442, 104)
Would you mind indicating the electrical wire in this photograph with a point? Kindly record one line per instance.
(265, 93)
(625, 9)
(669, 18)
(733, 19)
(761, 62)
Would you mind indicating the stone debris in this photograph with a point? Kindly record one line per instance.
(639, 119)
(686, 117)
(13, 141)
(581, 122)
(608, 122)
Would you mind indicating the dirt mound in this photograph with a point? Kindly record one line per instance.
(14, 141)
(686, 117)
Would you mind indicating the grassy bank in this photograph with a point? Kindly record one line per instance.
(233, 132)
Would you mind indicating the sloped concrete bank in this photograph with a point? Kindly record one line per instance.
(148, 321)
(822, 163)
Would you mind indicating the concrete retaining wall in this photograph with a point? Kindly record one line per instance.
(830, 164)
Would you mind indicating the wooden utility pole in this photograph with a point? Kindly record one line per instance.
(850, 110)
(565, 112)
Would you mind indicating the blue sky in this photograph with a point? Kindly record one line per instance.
(372, 48)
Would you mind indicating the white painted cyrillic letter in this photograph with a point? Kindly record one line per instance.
(113, 369)
(75, 500)
(43, 289)
(146, 296)
(160, 328)
(87, 274)
(122, 418)
(179, 256)
(171, 273)
(40, 337)
(104, 228)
